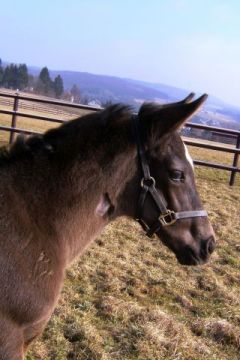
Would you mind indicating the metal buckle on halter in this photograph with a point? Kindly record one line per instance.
(148, 182)
(168, 218)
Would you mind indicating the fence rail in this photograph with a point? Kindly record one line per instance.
(22, 101)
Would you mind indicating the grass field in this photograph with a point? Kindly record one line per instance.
(128, 298)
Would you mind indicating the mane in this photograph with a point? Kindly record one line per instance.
(26, 147)
(112, 115)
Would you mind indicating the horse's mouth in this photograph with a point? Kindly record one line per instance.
(186, 254)
(190, 258)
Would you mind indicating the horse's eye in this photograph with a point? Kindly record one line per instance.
(176, 175)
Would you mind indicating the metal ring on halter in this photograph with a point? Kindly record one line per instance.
(144, 182)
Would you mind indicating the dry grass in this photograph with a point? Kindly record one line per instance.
(127, 298)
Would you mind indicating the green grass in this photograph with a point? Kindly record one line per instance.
(127, 298)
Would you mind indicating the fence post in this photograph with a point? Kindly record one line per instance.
(14, 117)
(235, 162)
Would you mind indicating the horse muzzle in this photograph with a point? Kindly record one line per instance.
(190, 256)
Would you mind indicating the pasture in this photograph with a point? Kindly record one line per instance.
(128, 298)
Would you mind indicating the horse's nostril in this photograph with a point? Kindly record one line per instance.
(207, 246)
(211, 245)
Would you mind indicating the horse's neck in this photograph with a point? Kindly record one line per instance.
(95, 203)
(70, 209)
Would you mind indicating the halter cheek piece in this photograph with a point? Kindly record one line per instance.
(166, 217)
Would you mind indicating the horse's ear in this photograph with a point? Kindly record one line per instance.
(186, 100)
(158, 121)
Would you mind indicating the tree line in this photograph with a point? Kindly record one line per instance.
(15, 77)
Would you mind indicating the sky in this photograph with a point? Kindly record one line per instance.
(191, 44)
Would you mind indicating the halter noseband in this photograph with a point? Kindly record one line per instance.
(166, 217)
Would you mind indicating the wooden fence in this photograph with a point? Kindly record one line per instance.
(57, 107)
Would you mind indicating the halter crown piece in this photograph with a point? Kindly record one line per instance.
(166, 217)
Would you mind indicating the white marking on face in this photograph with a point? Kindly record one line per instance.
(188, 156)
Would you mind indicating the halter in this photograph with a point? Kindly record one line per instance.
(166, 217)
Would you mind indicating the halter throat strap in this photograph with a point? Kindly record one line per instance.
(148, 186)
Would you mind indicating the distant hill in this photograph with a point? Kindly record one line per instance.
(110, 88)
(103, 88)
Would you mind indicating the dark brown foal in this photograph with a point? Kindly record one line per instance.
(59, 190)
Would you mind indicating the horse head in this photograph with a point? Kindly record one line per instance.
(166, 199)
